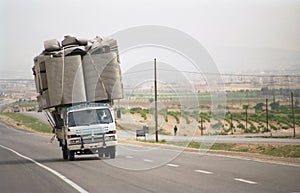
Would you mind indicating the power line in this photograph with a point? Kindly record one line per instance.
(137, 71)
(217, 74)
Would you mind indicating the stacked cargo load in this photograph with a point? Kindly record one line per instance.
(77, 71)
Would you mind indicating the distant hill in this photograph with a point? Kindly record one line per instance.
(249, 60)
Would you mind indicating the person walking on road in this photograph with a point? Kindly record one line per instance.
(175, 130)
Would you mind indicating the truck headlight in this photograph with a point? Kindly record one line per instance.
(75, 141)
(109, 138)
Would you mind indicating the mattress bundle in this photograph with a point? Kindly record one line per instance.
(76, 71)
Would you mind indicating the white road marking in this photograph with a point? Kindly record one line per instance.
(215, 155)
(65, 179)
(129, 156)
(203, 171)
(245, 181)
(148, 160)
(173, 165)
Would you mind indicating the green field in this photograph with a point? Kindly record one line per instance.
(29, 122)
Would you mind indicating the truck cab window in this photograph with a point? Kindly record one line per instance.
(89, 117)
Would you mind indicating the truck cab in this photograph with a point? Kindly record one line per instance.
(88, 128)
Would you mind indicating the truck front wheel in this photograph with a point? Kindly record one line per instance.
(107, 152)
(64, 152)
(71, 155)
(100, 152)
(112, 152)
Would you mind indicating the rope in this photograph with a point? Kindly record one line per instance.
(63, 73)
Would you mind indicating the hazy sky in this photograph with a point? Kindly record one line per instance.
(216, 24)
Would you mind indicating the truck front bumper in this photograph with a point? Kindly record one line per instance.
(91, 146)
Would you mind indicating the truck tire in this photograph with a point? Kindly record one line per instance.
(71, 155)
(112, 152)
(106, 152)
(64, 152)
(100, 152)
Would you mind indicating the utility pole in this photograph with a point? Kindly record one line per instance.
(246, 111)
(293, 113)
(231, 124)
(155, 101)
(201, 125)
(267, 116)
(247, 118)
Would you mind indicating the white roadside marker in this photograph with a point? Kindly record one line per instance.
(203, 171)
(129, 156)
(245, 181)
(65, 179)
(173, 165)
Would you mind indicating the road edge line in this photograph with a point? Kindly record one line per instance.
(65, 179)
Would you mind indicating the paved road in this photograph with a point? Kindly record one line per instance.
(29, 163)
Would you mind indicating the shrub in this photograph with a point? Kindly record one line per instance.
(275, 105)
(132, 111)
(265, 130)
(241, 126)
(205, 116)
(143, 114)
(164, 113)
(284, 127)
(217, 125)
(259, 107)
(273, 127)
(175, 115)
(253, 129)
(186, 117)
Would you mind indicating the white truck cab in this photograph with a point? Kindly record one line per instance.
(88, 128)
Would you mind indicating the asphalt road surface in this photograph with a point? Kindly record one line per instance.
(30, 163)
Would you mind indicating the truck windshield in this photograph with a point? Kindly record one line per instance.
(89, 117)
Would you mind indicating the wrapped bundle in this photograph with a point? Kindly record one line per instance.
(78, 71)
(102, 76)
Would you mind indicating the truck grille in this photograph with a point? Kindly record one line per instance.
(91, 140)
(91, 131)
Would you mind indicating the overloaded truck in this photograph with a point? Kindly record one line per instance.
(77, 82)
